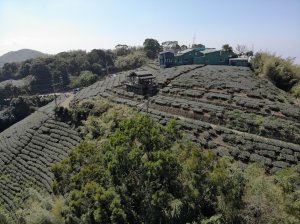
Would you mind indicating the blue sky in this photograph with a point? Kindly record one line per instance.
(60, 25)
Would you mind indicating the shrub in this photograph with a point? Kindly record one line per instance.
(296, 90)
(264, 202)
(282, 72)
(131, 61)
(40, 208)
(85, 78)
(5, 217)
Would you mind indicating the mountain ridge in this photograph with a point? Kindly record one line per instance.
(19, 55)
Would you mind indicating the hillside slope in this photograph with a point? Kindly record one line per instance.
(20, 55)
(226, 109)
(27, 150)
(221, 108)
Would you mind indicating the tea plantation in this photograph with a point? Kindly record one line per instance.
(225, 109)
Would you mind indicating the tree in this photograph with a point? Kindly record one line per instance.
(131, 61)
(59, 73)
(226, 47)
(176, 48)
(85, 78)
(97, 69)
(249, 53)
(170, 46)
(9, 70)
(40, 70)
(183, 47)
(121, 49)
(133, 170)
(96, 56)
(133, 177)
(230, 185)
(42, 77)
(289, 180)
(104, 58)
(198, 46)
(75, 61)
(241, 49)
(151, 48)
(24, 70)
(19, 108)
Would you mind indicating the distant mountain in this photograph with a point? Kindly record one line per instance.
(20, 55)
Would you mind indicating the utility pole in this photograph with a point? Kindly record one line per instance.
(147, 108)
(54, 91)
(194, 40)
(11, 88)
(106, 63)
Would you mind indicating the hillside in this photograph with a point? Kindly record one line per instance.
(20, 55)
(27, 150)
(225, 109)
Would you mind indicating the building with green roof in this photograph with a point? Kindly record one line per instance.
(205, 56)
(186, 57)
(200, 56)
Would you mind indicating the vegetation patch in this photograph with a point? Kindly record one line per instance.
(133, 60)
(282, 72)
(85, 78)
(13, 110)
(130, 169)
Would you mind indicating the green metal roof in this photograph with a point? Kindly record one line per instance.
(164, 52)
(185, 51)
(208, 51)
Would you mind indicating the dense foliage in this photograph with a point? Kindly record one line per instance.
(131, 61)
(15, 109)
(59, 71)
(133, 170)
(282, 72)
(151, 48)
(227, 47)
(85, 78)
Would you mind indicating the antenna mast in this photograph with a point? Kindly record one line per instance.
(194, 39)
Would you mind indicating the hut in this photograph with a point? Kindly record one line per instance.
(142, 83)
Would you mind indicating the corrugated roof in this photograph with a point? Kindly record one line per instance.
(238, 59)
(163, 52)
(143, 73)
(200, 50)
(207, 51)
(139, 73)
(185, 51)
(147, 77)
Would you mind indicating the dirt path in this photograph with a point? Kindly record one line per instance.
(67, 101)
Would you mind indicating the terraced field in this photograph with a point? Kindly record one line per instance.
(27, 150)
(221, 108)
(226, 109)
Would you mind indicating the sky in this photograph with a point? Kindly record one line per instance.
(52, 26)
